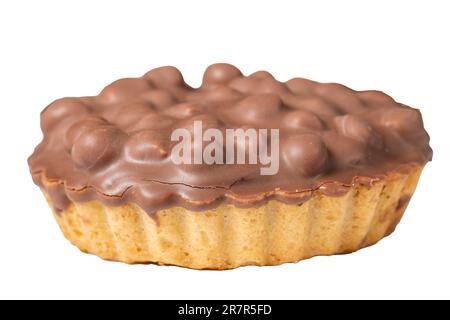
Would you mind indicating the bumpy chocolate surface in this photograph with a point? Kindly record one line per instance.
(115, 147)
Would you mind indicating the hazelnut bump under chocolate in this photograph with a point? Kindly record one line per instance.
(115, 147)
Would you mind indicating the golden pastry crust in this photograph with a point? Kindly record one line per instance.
(228, 237)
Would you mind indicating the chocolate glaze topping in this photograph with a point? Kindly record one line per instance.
(115, 147)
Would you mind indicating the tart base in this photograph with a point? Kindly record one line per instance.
(228, 237)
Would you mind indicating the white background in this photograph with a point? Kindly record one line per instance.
(51, 49)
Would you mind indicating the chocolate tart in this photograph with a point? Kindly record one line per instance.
(349, 162)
